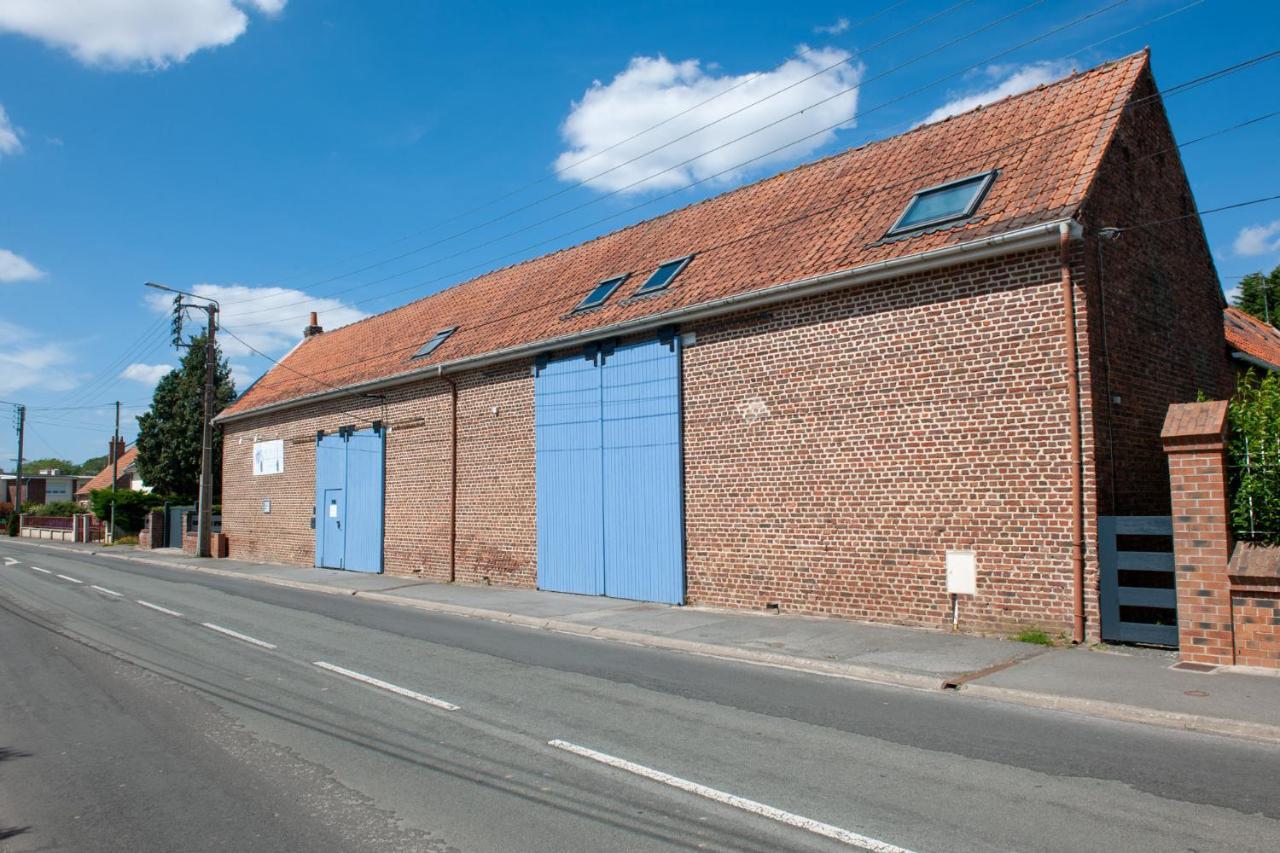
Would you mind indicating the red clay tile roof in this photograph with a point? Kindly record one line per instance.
(1249, 335)
(818, 218)
(102, 479)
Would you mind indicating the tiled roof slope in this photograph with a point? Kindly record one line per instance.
(818, 218)
(1249, 335)
(102, 479)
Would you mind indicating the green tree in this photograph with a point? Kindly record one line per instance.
(131, 507)
(66, 466)
(93, 465)
(1259, 295)
(1252, 448)
(169, 432)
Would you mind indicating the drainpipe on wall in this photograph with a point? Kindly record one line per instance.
(1073, 401)
(453, 478)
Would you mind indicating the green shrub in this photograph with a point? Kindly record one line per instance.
(11, 527)
(1253, 454)
(57, 509)
(131, 507)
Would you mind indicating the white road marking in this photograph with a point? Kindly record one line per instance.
(107, 591)
(245, 637)
(157, 607)
(69, 578)
(9, 561)
(842, 835)
(40, 570)
(384, 685)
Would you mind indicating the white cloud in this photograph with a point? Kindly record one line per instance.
(652, 89)
(1258, 239)
(9, 141)
(267, 318)
(27, 362)
(147, 374)
(123, 33)
(14, 267)
(1012, 81)
(840, 26)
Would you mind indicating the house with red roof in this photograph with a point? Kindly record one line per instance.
(124, 470)
(901, 383)
(1253, 343)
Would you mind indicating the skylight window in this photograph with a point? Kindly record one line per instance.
(664, 274)
(602, 292)
(433, 344)
(944, 203)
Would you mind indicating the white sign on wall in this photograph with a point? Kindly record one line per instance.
(268, 457)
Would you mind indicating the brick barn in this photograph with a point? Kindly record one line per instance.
(812, 393)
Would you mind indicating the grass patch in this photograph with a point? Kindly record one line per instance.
(125, 540)
(1034, 636)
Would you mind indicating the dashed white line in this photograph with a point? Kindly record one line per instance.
(69, 578)
(103, 589)
(40, 570)
(158, 608)
(842, 835)
(385, 685)
(244, 637)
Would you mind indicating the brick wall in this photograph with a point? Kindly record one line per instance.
(496, 490)
(1256, 618)
(1159, 303)
(837, 446)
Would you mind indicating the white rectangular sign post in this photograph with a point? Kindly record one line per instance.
(268, 457)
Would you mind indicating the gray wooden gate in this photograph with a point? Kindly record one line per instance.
(1139, 600)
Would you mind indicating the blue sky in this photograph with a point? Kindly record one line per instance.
(268, 151)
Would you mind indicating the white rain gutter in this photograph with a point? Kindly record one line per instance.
(1034, 237)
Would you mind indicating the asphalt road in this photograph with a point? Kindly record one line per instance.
(125, 727)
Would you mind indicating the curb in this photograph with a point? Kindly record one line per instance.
(961, 685)
(1127, 713)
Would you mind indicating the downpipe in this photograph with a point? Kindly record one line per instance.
(1073, 403)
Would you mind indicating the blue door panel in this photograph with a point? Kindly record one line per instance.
(364, 502)
(567, 439)
(643, 528)
(331, 477)
(609, 488)
(349, 501)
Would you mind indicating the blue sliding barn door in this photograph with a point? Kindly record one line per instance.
(609, 473)
(349, 500)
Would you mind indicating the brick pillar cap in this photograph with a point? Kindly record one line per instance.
(1195, 426)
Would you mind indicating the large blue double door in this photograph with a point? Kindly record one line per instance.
(610, 513)
(349, 500)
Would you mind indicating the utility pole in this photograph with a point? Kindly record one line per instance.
(22, 427)
(204, 527)
(115, 470)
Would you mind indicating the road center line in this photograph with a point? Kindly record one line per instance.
(385, 685)
(40, 570)
(103, 589)
(245, 637)
(862, 842)
(69, 578)
(158, 608)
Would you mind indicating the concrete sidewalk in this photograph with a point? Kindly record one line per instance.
(1111, 682)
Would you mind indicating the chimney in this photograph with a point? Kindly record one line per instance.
(314, 328)
(114, 450)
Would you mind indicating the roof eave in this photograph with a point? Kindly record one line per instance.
(1022, 239)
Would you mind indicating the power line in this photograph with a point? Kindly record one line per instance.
(914, 180)
(1000, 54)
(596, 200)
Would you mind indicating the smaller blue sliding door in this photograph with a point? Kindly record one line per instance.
(349, 500)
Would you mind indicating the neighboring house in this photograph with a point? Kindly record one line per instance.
(1251, 342)
(46, 486)
(808, 394)
(126, 474)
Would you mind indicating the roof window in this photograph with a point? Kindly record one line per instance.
(944, 203)
(664, 274)
(433, 344)
(602, 292)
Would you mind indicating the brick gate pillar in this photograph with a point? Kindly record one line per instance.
(1194, 437)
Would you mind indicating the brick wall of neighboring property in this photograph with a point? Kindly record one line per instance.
(1159, 303)
(836, 447)
(495, 520)
(1256, 618)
